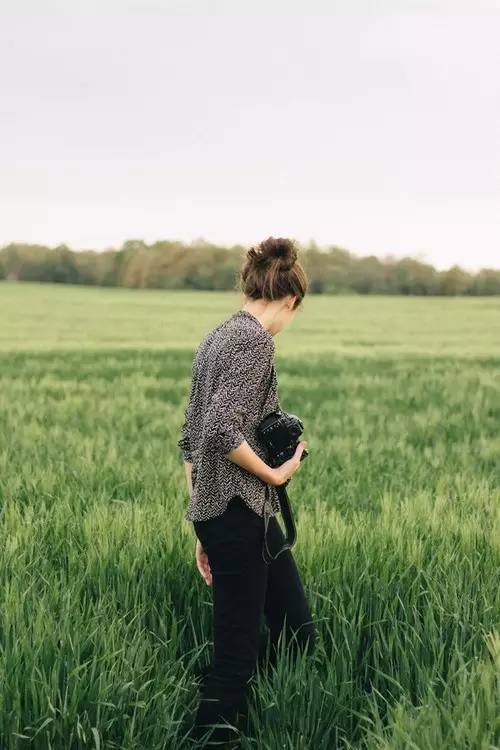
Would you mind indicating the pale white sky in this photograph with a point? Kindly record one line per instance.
(371, 125)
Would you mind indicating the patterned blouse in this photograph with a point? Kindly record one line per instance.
(233, 387)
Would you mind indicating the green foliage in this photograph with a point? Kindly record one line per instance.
(103, 615)
(201, 265)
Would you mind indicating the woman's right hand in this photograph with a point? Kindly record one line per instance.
(283, 472)
(202, 563)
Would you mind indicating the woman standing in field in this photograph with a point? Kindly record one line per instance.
(233, 387)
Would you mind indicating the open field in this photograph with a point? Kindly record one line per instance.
(103, 614)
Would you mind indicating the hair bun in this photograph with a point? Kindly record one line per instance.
(273, 248)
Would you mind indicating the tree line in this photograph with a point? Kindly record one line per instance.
(170, 264)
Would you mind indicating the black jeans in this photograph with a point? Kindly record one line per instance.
(246, 590)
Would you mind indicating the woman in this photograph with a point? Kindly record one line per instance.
(233, 387)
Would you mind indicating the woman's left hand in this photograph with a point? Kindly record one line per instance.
(202, 563)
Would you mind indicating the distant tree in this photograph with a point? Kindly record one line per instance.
(368, 276)
(487, 281)
(64, 268)
(410, 276)
(455, 281)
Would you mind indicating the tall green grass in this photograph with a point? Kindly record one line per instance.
(103, 615)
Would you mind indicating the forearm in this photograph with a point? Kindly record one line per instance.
(246, 457)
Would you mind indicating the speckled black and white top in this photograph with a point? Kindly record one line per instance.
(233, 387)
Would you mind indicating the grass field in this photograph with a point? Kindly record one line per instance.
(103, 615)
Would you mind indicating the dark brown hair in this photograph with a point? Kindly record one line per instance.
(271, 270)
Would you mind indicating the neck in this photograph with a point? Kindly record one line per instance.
(263, 314)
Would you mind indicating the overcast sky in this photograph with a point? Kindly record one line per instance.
(370, 125)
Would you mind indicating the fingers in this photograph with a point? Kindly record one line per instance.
(203, 566)
(295, 461)
(299, 451)
(207, 575)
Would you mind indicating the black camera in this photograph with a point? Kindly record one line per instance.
(279, 432)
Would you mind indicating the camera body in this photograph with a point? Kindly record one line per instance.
(280, 433)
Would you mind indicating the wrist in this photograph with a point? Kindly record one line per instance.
(271, 476)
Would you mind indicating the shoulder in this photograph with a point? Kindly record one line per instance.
(236, 337)
(243, 335)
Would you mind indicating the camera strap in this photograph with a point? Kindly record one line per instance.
(286, 512)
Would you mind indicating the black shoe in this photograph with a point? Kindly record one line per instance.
(219, 734)
(224, 718)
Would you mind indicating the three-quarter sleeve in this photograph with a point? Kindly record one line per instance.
(184, 443)
(242, 378)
